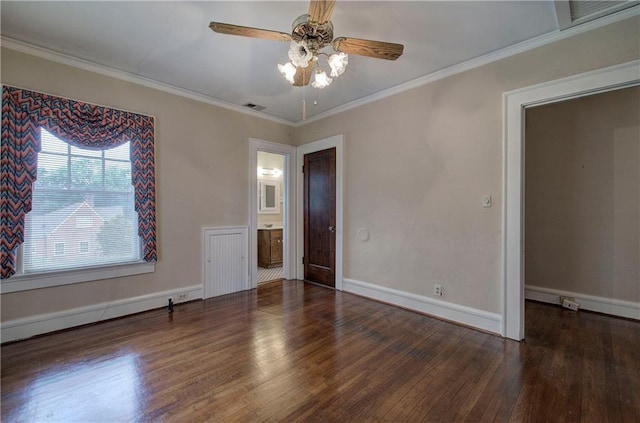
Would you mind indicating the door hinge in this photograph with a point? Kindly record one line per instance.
(303, 169)
(302, 259)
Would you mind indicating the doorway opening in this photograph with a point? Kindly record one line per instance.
(272, 212)
(270, 217)
(582, 203)
(514, 104)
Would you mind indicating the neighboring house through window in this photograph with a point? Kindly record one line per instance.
(81, 197)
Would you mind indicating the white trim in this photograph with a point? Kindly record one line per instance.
(289, 210)
(26, 282)
(514, 104)
(336, 141)
(479, 319)
(227, 230)
(75, 62)
(611, 306)
(27, 327)
(563, 13)
(522, 47)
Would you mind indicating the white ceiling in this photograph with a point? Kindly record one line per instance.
(170, 42)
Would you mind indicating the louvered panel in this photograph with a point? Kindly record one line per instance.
(583, 9)
(225, 263)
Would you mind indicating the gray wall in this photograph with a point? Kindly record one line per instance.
(582, 206)
(416, 166)
(418, 163)
(202, 177)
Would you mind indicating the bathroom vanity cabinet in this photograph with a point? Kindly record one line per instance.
(269, 248)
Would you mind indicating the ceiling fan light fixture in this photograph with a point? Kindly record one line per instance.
(310, 34)
(321, 80)
(288, 71)
(338, 63)
(299, 54)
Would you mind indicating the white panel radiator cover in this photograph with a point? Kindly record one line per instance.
(225, 266)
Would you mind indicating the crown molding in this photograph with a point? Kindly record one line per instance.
(522, 47)
(75, 62)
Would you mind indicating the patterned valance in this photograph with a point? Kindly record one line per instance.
(79, 124)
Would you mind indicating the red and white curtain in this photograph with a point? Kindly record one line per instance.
(79, 124)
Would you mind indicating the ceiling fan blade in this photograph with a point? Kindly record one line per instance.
(245, 31)
(303, 76)
(321, 10)
(377, 49)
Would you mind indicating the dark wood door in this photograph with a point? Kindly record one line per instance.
(320, 217)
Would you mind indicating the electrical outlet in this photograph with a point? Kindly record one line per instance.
(437, 290)
(569, 303)
(182, 297)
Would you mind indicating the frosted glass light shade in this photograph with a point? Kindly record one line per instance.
(288, 71)
(338, 63)
(299, 54)
(321, 80)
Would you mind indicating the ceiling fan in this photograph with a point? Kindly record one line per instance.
(310, 33)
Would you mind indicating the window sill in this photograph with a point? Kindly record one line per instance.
(67, 277)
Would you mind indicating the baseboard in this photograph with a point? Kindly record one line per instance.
(611, 306)
(479, 319)
(27, 327)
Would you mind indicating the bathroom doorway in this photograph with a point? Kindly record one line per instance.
(270, 216)
(272, 213)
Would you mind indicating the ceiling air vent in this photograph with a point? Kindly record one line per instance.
(255, 107)
(576, 12)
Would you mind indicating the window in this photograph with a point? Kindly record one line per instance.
(81, 197)
(96, 185)
(58, 248)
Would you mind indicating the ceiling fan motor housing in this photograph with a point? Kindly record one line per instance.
(315, 35)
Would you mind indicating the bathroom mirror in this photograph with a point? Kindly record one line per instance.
(268, 197)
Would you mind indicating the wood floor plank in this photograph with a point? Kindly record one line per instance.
(297, 352)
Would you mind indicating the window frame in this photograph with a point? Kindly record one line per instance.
(80, 247)
(55, 249)
(22, 281)
(26, 107)
(25, 282)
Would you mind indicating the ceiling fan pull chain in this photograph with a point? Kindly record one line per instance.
(304, 109)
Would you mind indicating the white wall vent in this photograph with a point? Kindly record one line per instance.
(575, 12)
(255, 107)
(225, 267)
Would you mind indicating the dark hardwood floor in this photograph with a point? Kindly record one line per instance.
(297, 352)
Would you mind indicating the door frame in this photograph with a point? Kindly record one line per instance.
(289, 209)
(513, 105)
(337, 142)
